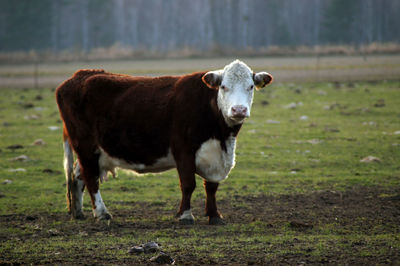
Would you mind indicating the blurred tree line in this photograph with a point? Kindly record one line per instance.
(168, 25)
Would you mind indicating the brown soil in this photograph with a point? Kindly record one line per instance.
(360, 211)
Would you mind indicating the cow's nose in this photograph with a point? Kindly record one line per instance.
(239, 111)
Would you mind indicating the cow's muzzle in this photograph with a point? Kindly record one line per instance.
(239, 112)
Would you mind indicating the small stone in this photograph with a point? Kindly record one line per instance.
(297, 90)
(151, 247)
(17, 170)
(53, 128)
(300, 225)
(31, 117)
(380, 103)
(136, 250)
(50, 171)
(397, 132)
(303, 118)
(28, 105)
(333, 130)
(7, 182)
(39, 142)
(7, 124)
(163, 258)
(370, 159)
(54, 232)
(21, 158)
(370, 123)
(293, 105)
(332, 106)
(15, 147)
(313, 125)
(314, 141)
(273, 122)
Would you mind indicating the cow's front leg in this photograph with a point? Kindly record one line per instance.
(214, 217)
(187, 180)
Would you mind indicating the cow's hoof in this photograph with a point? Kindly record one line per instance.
(79, 216)
(186, 221)
(216, 221)
(104, 217)
(186, 218)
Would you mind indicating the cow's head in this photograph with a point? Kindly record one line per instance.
(235, 84)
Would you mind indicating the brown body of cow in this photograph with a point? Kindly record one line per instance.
(144, 124)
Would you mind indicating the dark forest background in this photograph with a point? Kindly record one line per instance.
(202, 25)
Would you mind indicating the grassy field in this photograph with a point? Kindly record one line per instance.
(299, 193)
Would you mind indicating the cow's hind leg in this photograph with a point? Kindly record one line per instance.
(77, 189)
(74, 183)
(90, 173)
(214, 217)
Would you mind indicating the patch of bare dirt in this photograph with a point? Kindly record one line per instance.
(357, 207)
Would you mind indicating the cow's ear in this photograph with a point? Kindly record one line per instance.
(212, 79)
(262, 79)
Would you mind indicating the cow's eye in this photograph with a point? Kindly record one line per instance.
(251, 87)
(223, 87)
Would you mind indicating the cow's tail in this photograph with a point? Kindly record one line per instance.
(68, 167)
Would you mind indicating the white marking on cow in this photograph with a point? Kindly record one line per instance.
(108, 164)
(187, 215)
(100, 211)
(236, 89)
(212, 162)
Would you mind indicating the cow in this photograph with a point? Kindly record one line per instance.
(152, 124)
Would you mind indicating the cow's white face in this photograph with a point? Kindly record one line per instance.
(235, 84)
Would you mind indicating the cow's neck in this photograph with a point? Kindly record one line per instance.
(223, 130)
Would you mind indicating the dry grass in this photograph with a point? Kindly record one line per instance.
(288, 68)
(118, 51)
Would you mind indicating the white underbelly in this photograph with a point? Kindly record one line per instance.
(213, 163)
(108, 164)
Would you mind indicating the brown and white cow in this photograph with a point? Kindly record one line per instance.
(147, 124)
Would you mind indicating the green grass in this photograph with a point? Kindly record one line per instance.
(293, 157)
